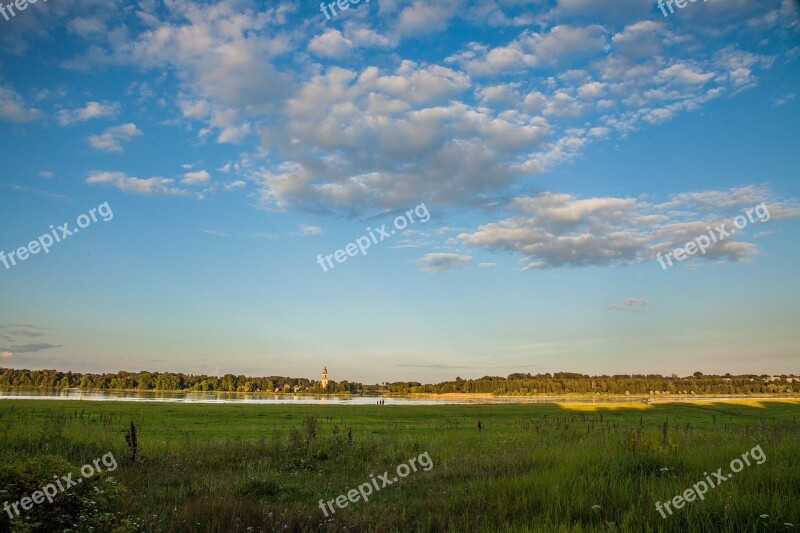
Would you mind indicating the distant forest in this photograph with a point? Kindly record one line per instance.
(163, 381)
(638, 384)
(514, 385)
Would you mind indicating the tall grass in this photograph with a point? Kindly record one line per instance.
(214, 468)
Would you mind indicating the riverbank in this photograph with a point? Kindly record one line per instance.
(601, 397)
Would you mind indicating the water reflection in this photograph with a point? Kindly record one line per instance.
(257, 398)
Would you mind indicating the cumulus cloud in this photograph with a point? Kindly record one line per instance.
(155, 186)
(201, 177)
(89, 111)
(464, 122)
(13, 107)
(552, 230)
(404, 137)
(112, 138)
(443, 262)
(224, 57)
(333, 43)
(330, 44)
(561, 45)
(351, 138)
(233, 185)
(423, 17)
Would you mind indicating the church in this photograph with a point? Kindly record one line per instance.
(325, 378)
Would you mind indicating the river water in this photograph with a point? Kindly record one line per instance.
(259, 398)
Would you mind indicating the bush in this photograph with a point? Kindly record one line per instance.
(78, 508)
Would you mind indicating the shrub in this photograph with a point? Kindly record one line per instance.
(82, 507)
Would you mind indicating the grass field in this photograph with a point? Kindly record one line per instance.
(547, 467)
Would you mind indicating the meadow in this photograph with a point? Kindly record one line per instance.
(544, 467)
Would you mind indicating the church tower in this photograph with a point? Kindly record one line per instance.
(325, 378)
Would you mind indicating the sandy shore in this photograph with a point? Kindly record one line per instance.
(600, 398)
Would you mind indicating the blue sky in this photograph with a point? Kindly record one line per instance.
(558, 147)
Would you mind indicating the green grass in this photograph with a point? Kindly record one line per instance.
(540, 467)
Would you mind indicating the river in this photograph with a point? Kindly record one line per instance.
(260, 398)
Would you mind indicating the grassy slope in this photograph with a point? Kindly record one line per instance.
(533, 467)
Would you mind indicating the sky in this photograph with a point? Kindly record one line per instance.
(515, 171)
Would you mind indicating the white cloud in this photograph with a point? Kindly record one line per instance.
(156, 186)
(112, 138)
(232, 186)
(331, 44)
(390, 138)
(560, 45)
(308, 229)
(556, 230)
(424, 17)
(89, 111)
(384, 137)
(338, 133)
(443, 262)
(201, 177)
(13, 108)
(222, 55)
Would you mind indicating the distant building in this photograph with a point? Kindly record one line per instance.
(778, 378)
(325, 378)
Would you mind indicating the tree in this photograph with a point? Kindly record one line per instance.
(228, 383)
(145, 381)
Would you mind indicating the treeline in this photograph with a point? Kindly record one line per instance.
(513, 385)
(635, 384)
(163, 381)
